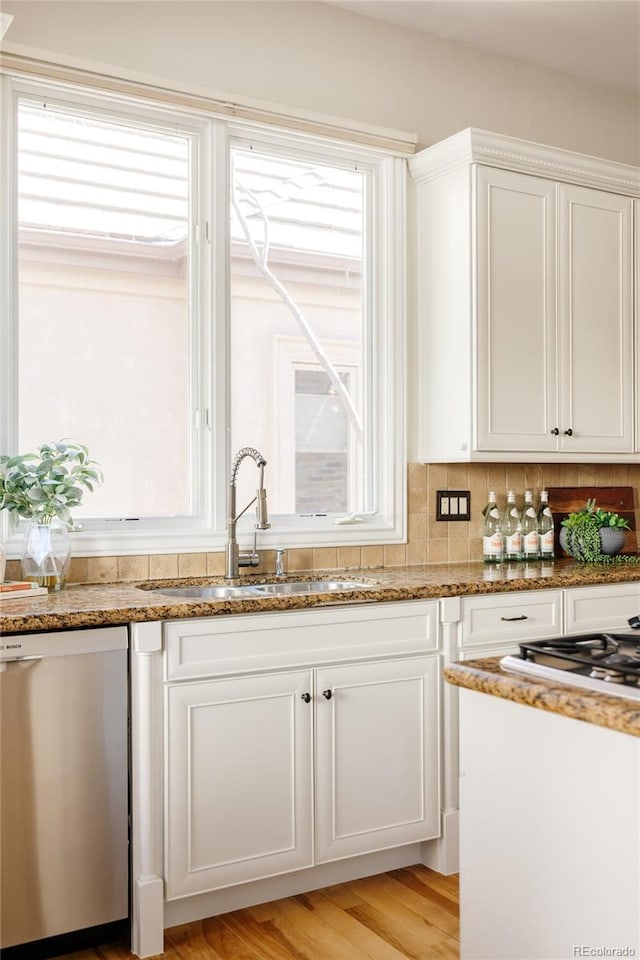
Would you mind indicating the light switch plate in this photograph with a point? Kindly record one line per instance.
(453, 505)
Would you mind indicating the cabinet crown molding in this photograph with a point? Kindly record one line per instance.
(510, 153)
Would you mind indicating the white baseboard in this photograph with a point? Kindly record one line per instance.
(443, 854)
(289, 884)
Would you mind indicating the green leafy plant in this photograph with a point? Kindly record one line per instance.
(48, 483)
(583, 528)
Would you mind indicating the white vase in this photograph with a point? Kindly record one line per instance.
(46, 553)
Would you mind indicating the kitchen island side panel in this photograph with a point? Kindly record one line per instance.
(549, 833)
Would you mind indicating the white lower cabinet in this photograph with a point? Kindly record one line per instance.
(377, 782)
(238, 777)
(271, 772)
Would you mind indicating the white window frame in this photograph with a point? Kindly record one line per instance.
(385, 293)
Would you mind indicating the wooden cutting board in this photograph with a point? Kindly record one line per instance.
(566, 500)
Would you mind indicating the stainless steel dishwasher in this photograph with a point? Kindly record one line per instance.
(64, 806)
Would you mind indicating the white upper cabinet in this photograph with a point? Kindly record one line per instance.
(525, 303)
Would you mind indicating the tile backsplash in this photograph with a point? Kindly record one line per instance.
(429, 540)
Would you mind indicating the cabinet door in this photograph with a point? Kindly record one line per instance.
(595, 285)
(238, 780)
(515, 311)
(377, 756)
(591, 609)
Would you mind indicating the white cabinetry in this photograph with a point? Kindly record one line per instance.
(525, 302)
(589, 609)
(239, 780)
(241, 752)
(376, 759)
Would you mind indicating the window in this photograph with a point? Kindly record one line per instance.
(185, 286)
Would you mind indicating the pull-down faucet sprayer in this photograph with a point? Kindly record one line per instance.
(233, 558)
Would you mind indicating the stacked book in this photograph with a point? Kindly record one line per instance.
(20, 589)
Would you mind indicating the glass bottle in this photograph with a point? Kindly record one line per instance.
(530, 537)
(546, 530)
(492, 540)
(511, 529)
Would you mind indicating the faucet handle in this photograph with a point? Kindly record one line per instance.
(280, 563)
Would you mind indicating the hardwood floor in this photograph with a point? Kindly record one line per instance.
(408, 913)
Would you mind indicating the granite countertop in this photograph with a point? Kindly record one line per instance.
(117, 603)
(487, 676)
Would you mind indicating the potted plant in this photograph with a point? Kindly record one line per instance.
(43, 488)
(592, 534)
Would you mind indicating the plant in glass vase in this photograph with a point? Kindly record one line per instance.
(43, 488)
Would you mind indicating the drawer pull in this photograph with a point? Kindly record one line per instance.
(522, 616)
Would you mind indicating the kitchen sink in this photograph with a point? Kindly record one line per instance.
(287, 589)
(209, 592)
(253, 592)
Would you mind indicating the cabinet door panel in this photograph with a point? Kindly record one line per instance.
(515, 291)
(238, 781)
(596, 324)
(377, 780)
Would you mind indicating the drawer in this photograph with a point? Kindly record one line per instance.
(591, 609)
(510, 618)
(243, 643)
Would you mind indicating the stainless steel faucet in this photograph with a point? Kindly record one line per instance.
(233, 558)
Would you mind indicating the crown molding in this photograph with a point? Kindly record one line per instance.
(508, 153)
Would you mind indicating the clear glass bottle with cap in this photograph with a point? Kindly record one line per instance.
(512, 529)
(546, 530)
(492, 539)
(530, 536)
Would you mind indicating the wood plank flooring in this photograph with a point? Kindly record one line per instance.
(409, 913)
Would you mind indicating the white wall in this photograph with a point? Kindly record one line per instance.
(321, 58)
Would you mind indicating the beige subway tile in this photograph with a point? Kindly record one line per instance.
(102, 569)
(458, 476)
(496, 478)
(216, 564)
(133, 568)
(163, 566)
(569, 475)
(620, 475)
(395, 555)
(458, 551)
(604, 475)
(266, 565)
(349, 558)
(192, 564)
(475, 549)
(533, 479)
(437, 474)
(417, 539)
(299, 559)
(586, 475)
(417, 487)
(78, 570)
(516, 478)
(325, 558)
(438, 551)
(372, 556)
(436, 529)
(552, 474)
(458, 529)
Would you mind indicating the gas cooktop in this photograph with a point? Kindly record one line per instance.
(603, 662)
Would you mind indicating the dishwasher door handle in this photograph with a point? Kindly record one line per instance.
(21, 659)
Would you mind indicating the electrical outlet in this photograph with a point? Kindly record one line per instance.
(453, 504)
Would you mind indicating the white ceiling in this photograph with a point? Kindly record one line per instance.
(596, 40)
